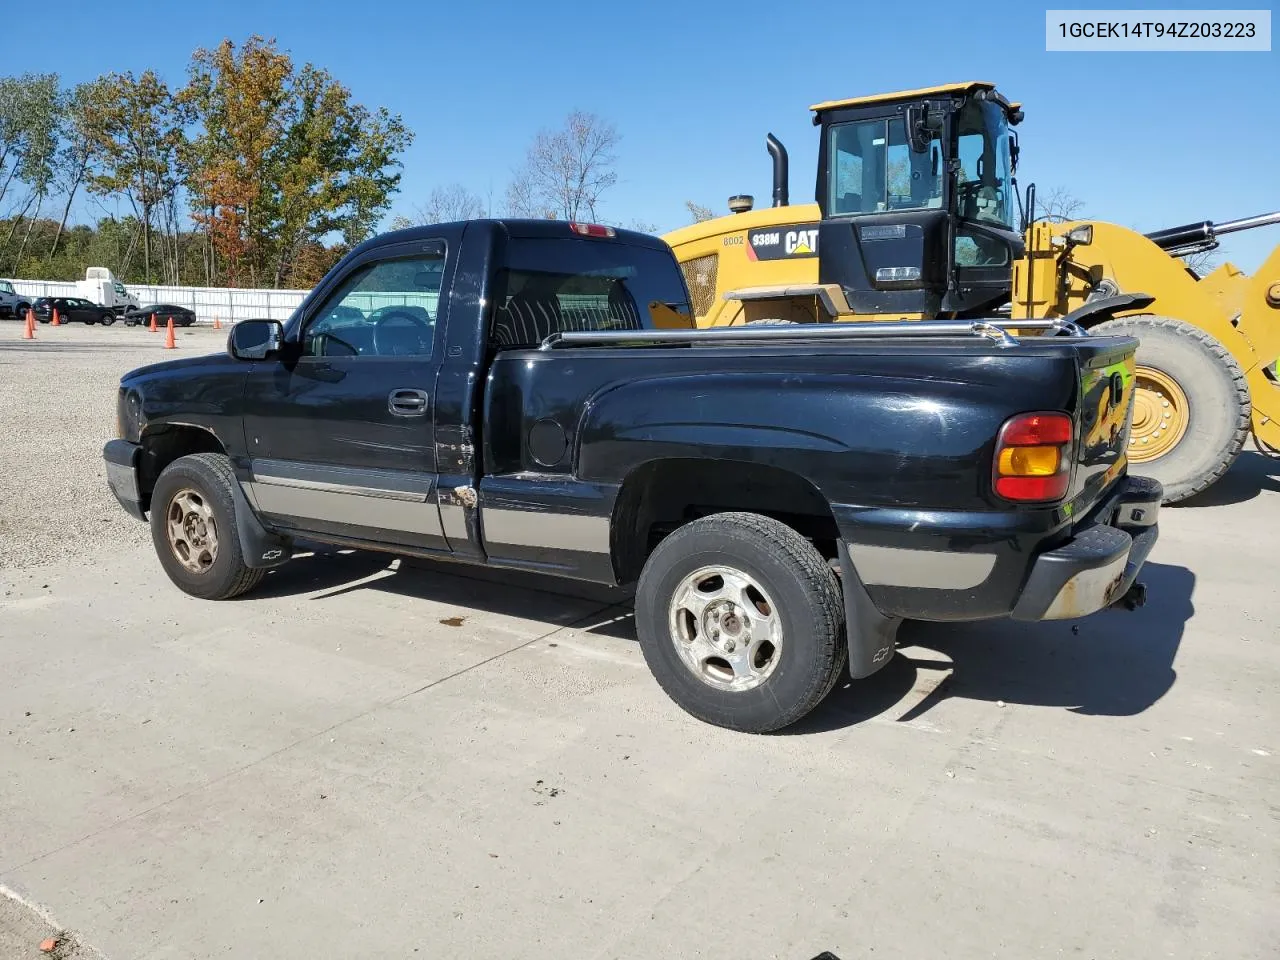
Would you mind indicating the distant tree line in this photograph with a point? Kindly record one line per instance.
(256, 172)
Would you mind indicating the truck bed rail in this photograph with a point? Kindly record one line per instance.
(997, 331)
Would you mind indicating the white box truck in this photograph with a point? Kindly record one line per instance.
(101, 286)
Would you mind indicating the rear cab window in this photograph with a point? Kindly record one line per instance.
(555, 285)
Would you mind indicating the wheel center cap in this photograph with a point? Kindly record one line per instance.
(723, 623)
(195, 529)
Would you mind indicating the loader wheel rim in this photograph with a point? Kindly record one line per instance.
(1161, 413)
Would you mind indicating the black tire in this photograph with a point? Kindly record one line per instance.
(210, 476)
(1217, 399)
(800, 584)
(107, 319)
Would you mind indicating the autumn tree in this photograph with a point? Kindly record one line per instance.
(566, 171)
(283, 158)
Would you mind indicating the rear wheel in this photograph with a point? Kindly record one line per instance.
(1191, 405)
(740, 620)
(193, 528)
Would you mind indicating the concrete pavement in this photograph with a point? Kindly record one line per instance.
(368, 758)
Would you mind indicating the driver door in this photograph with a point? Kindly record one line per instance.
(341, 431)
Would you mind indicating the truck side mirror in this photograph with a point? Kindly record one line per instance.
(255, 339)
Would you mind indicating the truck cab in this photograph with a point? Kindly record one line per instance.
(101, 286)
(12, 303)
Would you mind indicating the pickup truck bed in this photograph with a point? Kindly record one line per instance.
(527, 395)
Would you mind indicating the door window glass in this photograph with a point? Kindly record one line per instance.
(874, 169)
(387, 308)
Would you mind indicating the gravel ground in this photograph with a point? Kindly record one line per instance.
(58, 393)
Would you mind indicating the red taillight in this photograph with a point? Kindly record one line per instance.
(1034, 429)
(1033, 457)
(592, 230)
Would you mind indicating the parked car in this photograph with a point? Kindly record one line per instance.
(182, 317)
(782, 497)
(12, 303)
(73, 309)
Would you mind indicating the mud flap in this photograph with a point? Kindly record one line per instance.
(871, 635)
(259, 548)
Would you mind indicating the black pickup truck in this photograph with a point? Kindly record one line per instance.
(531, 394)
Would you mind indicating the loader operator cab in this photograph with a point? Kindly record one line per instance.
(917, 198)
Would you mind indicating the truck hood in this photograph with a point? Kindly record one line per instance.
(173, 366)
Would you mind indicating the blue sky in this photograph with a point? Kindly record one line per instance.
(1145, 139)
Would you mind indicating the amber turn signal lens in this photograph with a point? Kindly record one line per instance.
(1029, 461)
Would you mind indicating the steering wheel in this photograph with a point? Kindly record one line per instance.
(386, 345)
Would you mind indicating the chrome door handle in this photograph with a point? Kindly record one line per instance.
(407, 403)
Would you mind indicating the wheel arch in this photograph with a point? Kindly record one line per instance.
(164, 443)
(658, 496)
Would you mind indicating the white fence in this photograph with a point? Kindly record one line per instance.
(225, 303)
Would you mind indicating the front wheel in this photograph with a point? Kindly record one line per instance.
(193, 528)
(107, 320)
(741, 622)
(1191, 407)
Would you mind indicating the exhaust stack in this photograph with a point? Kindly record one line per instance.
(781, 177)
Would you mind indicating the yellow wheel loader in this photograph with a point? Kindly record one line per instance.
(915, 219)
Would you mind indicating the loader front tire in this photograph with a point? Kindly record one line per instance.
(1191, 411)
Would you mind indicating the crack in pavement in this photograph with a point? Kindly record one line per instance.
(586, 617)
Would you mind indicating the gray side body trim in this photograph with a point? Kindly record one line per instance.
(378, 499)
(931, 569)
(540, 528)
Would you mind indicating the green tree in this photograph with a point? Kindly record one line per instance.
(83, 110)
(30, 116)
(139, 141)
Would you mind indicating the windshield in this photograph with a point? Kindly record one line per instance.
(983, 180)
(873, 169)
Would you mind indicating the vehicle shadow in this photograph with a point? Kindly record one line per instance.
(1252, 473)
(1115, 663)
(327, 572)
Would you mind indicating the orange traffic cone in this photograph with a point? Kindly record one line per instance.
(169, 342)
(29, 327)
(153, 327)
(56, 321)
(217, 324)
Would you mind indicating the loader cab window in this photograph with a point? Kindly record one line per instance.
(874, 170)
(983, 182)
